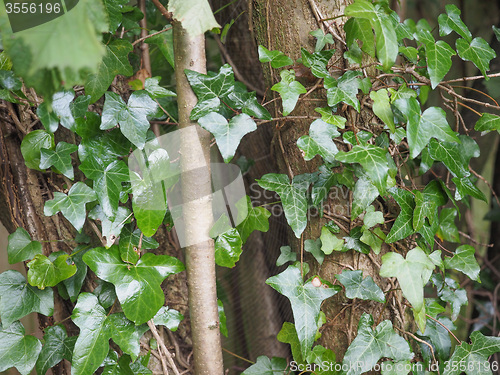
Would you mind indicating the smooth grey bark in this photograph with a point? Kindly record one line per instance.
(197, 210)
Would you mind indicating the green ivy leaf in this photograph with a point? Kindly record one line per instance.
(222, 318)
(438, 56)
(473, 358)
(317, 62)
(373, 159)
(466, 187)
(447, 229)
(32, 144)
(344, 89)
(132, 117)
(169, 318)
(364, 193)
(371, 345)
(57, 347)
(110, 229)
(277, 58)
(451, 21)
(451, 155)
(361, 29)
(125, 333)
(247, 102)
(382, 108)
(353, 241)
(74, 284)
(293, 198)
(321, 188)
(450, 291)
(478, 51)
(61, 105)
(21, 247)
(488, 122)
(227, 134)
(143, 301)
(130, 239)
(422, 127)
(314, 247)
(165, 43)
(152, 86)
(257, 218)
(372, 218)
(306, 301)
(322, 39)
(288, 335)
(328, 117)
(286, 255)
(319, 141)
(18, 298)
(49, 119)
(210, 90)
(330, 242)
(289, 90)
(403, 226)
(412, 274)
(43, 272)
(18, 350)
(386, 38)
(357, 287)
(439, 336)
(114, 62)
(60, 158)
(228, 248)
(196, 16)
(266, 366)
(114, 11)
(72, 206)
(464, 261)
(373, 238)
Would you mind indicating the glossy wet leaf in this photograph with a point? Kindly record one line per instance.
(464, 261)
(129, 243)
(57, 346)
(210, 89)
(18, 298)
(21, 247)
(293, 198)
(452, 157)
(373, 159)
(305, 299)
(196, 16)
(370, 345)
(228, 248)
(357, 287)
(451, 21)
(60, 158)
(61, 105)
(317, 62)
(403, 226)
(466, 187)
(277, 58)
(138, 287)
(43, 272)
(169, 318)
(361, 29)
(266, 366)
(344, 90)
(289, 90)
(382, 108)
(438, 56)
(319, 141)
(110, 229)
(72, 205)
(473, 358)
(447, 228)
(17, 349)
(125, 333)
(488, 122)
(74, 284)
(165, 44)
(257, 218)
(478, 51)
(227, 135)
(114, 62)
(32, 144)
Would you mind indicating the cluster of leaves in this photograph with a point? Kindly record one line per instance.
(370, 161)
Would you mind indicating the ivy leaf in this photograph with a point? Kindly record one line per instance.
(330, 242)
(382, 108)
(373, 159)
(451, 155)
(72, 206)
(306, 301)
(326, 179)
(32, 144)
(143, 301)
(227, 134)
(56, 348)
(21, 247)
(18, 350)
(450, 291)
(412, 274)
(152, 86)
(228, 248)
(111, 229)
(317, 62)
(18, 298)
(289, 90)
(403, 226)
(466, 187)
(114, 11)
(277, 58)
(447, 229)
(464, 261)
(422, 127)
(125, 333)
(169, 318)
(288, 335)
(478, 51)
(286, 255)
(266, 366)
(372, 218)
(344, 90)
(371, 345)
(357, 287)
(74, 284)
(451, 21)
(60, 158)
(353, 241)
(43, 272)
(132, 117)
(330, 118)
(165, 43)
(247, 102)
(48, 118)
(314, 247)
(473, 358)
(386, 38)
(439, 336)
(438, 56)
(129, 242)
(257, 218)
(365, 192)
(222, 318)
(61, 104)
(488, 122)
(361, 29)
(293, 198)
(114, 62)
(210, 89)
(196, 16)
(373, 238)
(108, 178)
(319, 141)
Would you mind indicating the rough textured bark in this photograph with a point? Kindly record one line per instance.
(197, 210)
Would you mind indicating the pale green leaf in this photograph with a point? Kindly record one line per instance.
(60, 158)
(357, 287)
(464, 261)
(228, 248)
(21, 247)
(382, 108)
(289, 90)
(32, 144)
(17, 349)
(319, 141)
(195, 15)
(277, 58)
(43, 272)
